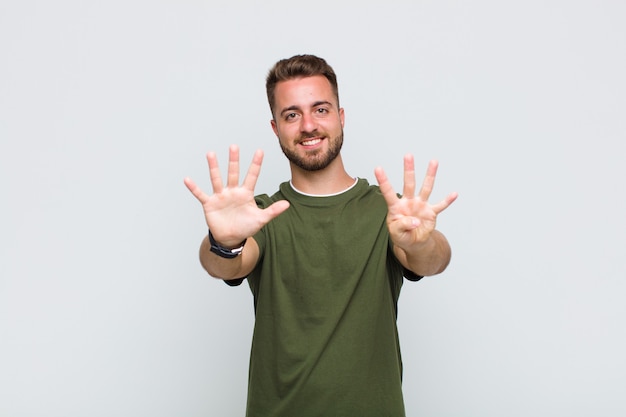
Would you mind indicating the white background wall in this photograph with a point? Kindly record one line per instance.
(106, 106)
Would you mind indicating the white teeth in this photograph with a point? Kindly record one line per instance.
(311, 142)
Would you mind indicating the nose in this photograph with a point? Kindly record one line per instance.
(307, 123)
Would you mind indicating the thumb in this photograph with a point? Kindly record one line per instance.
(408, 223)
(275, 209)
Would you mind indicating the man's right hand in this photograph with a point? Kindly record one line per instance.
(231, 212)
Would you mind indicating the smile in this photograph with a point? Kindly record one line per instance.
(310, 142)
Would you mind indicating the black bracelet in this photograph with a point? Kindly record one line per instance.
(220, 250)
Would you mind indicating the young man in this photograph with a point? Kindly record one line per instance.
(325, 258)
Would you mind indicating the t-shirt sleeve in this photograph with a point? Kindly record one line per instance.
(233, 282)
(406, 273)
(410, 275)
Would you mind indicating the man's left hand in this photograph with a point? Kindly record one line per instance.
(411, 218)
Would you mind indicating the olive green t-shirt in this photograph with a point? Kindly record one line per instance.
(325, 293)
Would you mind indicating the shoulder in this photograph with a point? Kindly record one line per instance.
(265, 200)
(370, 193)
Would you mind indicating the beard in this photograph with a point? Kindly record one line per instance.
(315, 160)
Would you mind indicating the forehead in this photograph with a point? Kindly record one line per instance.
(303, 91)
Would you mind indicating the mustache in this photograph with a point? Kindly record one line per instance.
(308, 135)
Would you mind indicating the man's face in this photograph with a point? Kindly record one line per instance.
(308, 122)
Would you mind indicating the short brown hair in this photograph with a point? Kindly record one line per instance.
(299, 66)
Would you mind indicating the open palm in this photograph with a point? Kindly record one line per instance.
(231, 212)
(411, 218)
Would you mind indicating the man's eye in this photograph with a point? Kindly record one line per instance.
(290, 116)
(322, 110)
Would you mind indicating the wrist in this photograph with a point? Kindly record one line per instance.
(223, 251)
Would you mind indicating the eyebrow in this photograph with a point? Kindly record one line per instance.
(316, 104)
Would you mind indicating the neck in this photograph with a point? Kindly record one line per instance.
(330, 180)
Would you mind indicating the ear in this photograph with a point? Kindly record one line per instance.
(342, 116)
(274, 127)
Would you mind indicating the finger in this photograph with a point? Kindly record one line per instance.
(275, 209)
(385, 186)
(214, 173)
(233, 166)
(441, 206)
(409, 177)
(271, 212)
(195, 190)
(429, 181)
(252, 176)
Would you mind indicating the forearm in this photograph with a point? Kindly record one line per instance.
(224, 268)
(429, 258)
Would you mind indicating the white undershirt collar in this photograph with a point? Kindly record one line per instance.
(356, 180)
